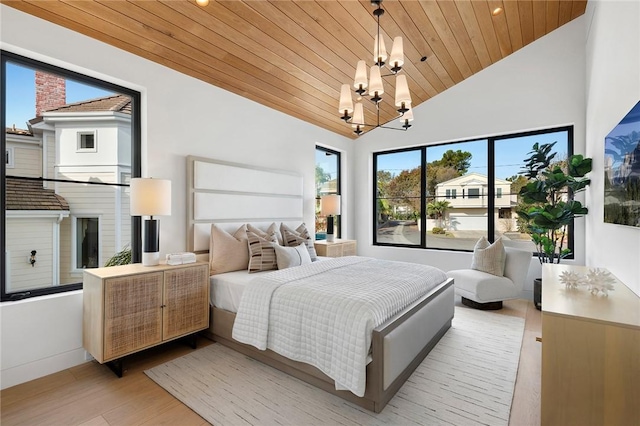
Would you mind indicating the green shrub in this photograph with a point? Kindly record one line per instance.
(121, 258)
(438, 230)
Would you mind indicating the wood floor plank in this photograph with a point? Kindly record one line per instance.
(91, 395)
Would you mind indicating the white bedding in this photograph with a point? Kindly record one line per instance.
(226, 289)
(323, 314)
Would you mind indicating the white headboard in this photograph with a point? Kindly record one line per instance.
(230, 193)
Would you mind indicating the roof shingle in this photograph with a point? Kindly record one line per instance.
(30, 195)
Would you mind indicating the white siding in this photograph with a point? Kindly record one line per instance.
(27, 162)
(24, 235)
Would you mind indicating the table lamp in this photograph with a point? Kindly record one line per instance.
(329, 207)
(150, 197)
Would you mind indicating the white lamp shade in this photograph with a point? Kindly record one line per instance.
(150, 197)
(402, 91)
(375, 81)
(397, 53)
(358, 116)
(346, 103)
(330, 205)
(379, 50)
(361, 75)
(407, 116)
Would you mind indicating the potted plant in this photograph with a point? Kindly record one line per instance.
(548, 206)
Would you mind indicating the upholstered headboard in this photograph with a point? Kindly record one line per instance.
(232, 194)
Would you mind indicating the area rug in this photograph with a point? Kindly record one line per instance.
(467, 379)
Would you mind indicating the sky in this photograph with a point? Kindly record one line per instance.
(21, 94)
(509, 154)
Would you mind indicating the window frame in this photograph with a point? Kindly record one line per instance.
(74, 238)
(10, 161)
(136, 164)
(491, 188)
(82, 133)
(337, 218)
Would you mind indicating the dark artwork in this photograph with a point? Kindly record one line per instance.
(622, 171)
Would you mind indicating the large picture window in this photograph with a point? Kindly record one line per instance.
(447, 196)
(65, 205)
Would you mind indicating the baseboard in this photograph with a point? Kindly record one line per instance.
(42, 367)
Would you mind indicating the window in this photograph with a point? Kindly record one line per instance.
(327, 182)
(9, 158)
(416, 190)
(474, 192)
(87, 239)
(54, 232)
(87, 141)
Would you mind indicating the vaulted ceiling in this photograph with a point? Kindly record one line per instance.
(293, 56)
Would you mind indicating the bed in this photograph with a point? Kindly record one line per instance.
(219, 193)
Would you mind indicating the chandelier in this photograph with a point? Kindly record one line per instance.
(373, 87)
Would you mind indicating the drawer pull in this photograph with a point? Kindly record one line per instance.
(538, 339)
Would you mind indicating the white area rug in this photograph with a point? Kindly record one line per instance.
(467, 379)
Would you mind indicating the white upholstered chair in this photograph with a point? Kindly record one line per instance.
(482, 290)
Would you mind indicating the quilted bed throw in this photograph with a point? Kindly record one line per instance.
(323, 314)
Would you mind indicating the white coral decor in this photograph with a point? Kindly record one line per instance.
(571, 279)
(599, 280)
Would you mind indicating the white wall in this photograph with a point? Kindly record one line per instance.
(613, 88)
(180, 116)
(539, 86)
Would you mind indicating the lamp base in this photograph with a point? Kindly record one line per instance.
(151, 259)
(330, 238)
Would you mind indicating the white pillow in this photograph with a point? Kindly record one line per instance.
(228, 252)
(489, 258)
(291, 256)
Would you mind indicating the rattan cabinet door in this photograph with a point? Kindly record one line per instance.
(186, 300)
(133, 313)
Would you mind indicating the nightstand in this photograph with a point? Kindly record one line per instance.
(129, 308)
(335, 248)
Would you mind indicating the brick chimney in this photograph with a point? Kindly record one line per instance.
(50, 92)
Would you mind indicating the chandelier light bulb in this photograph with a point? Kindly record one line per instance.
(379, 51)
(397, 55)
(403, 97)
(360, 82)
(376, 89)
(346, 103)
(202, 3)
(406, 118)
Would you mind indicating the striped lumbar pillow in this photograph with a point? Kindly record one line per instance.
(262, 256)
(489, 258)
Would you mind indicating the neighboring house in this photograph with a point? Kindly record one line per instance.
(468, 200)
(33, 218)
(88, 141)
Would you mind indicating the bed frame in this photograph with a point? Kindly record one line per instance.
(398, 346)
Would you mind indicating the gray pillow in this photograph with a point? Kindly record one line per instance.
(291, 256)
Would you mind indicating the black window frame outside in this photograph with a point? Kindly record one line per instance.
(491, 140)
(136, 164)
(338, 181)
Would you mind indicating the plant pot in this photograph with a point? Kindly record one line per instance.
(537, 293)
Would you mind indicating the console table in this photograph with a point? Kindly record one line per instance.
(129, 308)
(590, 353)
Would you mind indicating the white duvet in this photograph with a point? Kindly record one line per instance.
(323, 314)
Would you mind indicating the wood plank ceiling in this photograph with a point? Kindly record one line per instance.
(293, 56)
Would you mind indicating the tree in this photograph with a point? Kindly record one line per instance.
(321, 178)
(439, 174)
(405, 188)
(437, 209)
(459, 160)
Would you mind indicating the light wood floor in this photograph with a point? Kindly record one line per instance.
(91, 395)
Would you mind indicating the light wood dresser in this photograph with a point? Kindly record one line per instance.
(133, 307)
(590, 353)
(335, 248)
